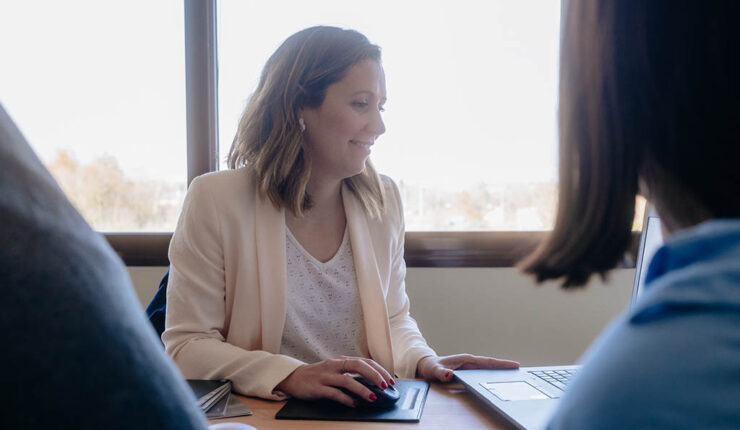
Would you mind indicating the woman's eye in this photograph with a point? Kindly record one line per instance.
(361, 105)
(381, 108)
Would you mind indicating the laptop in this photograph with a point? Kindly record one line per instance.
(528, 396)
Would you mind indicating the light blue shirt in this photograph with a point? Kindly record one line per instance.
(673, 360)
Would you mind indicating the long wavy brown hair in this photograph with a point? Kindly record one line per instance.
(649, 101)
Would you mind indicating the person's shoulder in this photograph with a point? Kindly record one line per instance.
(219, 192)
(223, 178)
(637, 366)
(392, 193)
(604, 394)
(224, 184)
(391, 190)
(388, 183)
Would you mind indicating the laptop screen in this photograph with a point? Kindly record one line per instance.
(651, 240)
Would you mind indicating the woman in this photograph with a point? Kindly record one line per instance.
(649, 96)
(287, 272)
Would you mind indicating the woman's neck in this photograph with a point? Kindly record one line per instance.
(326, 205)
(321, 228)
(326, 197)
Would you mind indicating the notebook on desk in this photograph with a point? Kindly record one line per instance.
(215, 399)
(208, 392)
(527, 397)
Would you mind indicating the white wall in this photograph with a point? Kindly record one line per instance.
(502, 313)
(494, 311)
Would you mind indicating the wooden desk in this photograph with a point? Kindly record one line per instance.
(448, 407)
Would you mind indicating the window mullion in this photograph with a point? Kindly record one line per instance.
(201, 82)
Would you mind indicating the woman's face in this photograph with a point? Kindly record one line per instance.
(340, 132)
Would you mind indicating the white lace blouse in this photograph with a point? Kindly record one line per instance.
(324, 316)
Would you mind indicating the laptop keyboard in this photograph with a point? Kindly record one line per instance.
(556, 378)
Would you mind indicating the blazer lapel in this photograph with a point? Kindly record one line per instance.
(377, 326)
(271, 266)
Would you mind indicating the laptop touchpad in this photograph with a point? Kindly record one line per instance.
(515, 390)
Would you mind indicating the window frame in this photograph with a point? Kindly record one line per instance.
(423, 248)
(452, 249)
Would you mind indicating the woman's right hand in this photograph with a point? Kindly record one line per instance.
(324, 379)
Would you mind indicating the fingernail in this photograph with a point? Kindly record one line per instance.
(372, 397)
(383, 385)
(392, 381)
(355, 403)
(448, 374)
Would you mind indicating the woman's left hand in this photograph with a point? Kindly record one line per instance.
(440, 368)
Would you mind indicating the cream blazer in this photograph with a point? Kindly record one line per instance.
(226, 299)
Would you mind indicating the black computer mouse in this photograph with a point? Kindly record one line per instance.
(385, 398)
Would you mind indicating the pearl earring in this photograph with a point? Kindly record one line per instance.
(302, 124)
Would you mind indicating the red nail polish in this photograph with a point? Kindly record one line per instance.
(372, 397)
(383, 385)
(392, 381)
(447, 375)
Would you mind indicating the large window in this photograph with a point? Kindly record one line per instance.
(98, 89)
(472, 87)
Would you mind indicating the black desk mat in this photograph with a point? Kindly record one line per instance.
(408, 408)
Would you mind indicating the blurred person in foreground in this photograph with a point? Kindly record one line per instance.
(77, 350)
(649, 104)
